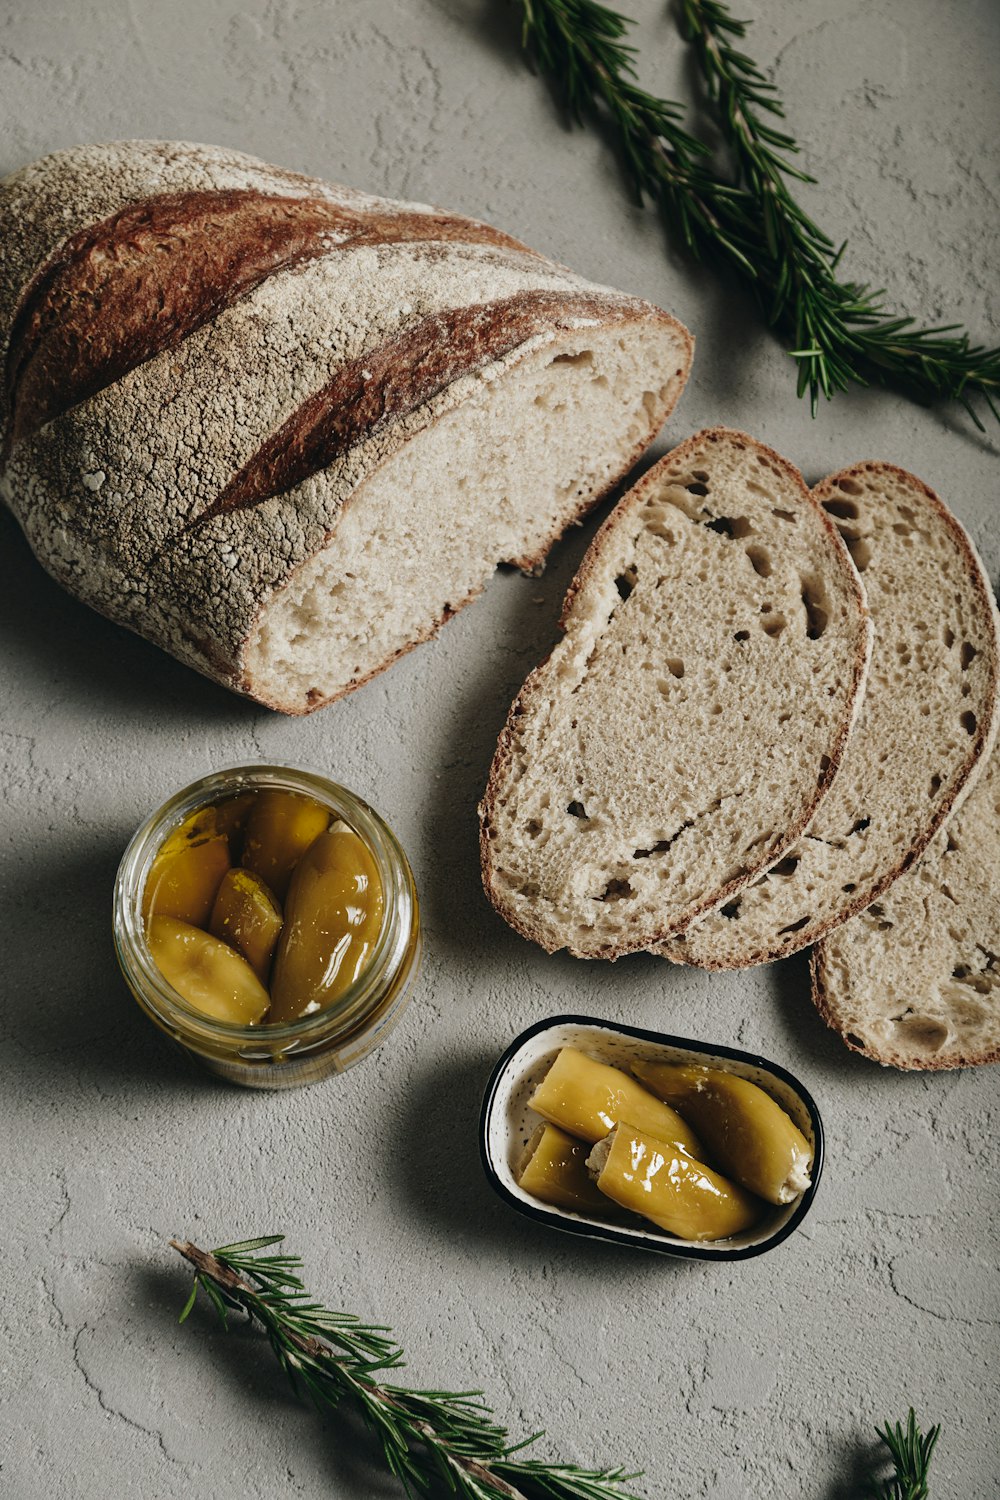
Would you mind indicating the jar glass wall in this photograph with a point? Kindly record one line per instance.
(330, 1040)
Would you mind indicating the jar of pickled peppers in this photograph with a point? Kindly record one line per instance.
(266, 919)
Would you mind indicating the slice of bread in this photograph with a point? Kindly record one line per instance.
(927, 723)
(914, 982)
(681, 735)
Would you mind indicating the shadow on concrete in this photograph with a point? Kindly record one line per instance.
(66, 1008)
(94, 667)
(437, 1174)
(856, 1462)
(805, 1030)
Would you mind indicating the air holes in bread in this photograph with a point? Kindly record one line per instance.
(817, 607)
(948, 636)
(674, 666)
(849, 887)
(860, 550)
(969, 655)
(786, 866)
(730, 910)
(794, 926)
(842, 510)
(742, 635)
(697, 488)
(850, 487)
(583, 357)
(577, 810)
(935, 784)
(658, 848)
(735, 527)
(532, 828)
(968, 721)
(626, 582)
(773, 625)
(617, 890)
(861, 825)
(784, 515)
(761, 560)
(824, 766)
(924, 1031)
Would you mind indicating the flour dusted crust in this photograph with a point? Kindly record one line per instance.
(924, 733)
(118, 495)
(685, 729)
(914, 981)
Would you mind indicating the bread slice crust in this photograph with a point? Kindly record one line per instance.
(914, 982)
(880, 509)
(572, 657)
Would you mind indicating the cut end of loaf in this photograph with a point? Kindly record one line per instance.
(497, 479)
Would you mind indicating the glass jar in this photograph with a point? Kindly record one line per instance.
(288, 1054)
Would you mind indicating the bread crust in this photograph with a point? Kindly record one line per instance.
(533, 689)
(981, 743)
(140, 281)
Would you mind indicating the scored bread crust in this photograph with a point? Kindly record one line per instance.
(715, 945)
(535, 693)
(119, 492)
(913, 982)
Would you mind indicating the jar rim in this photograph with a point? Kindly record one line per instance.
(362, 995)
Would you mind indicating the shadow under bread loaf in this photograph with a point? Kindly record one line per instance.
(285, 429)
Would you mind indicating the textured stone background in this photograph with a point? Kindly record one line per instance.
(758, 1381)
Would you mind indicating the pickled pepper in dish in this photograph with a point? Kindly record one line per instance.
(664, 1183)
(553, 1169)
(333, 916)
(745, 1131)
(586, 1098)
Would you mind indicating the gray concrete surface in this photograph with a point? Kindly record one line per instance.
(761, 1380)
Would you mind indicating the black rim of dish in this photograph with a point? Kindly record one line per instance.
(555, 1220)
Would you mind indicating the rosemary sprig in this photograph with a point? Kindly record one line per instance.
(431, 1440)
(910, 1451)
(579, 45)
(840, 332)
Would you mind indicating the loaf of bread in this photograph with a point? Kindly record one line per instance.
(682, 733)
(285, 429)
(926, 726)
(914, 982)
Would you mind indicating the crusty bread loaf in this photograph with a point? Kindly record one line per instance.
(681, 735)
(914, 982)
(285, 429)
(928, 720)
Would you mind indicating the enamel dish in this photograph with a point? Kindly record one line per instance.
(508, 1122)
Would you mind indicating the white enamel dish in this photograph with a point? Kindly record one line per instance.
(507, 1124)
